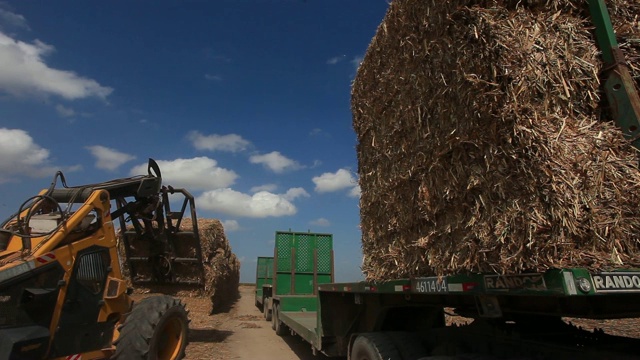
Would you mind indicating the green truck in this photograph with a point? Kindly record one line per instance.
(301, 262)
(520, 316)
(264, 279)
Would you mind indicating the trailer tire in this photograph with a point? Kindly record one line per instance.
(156, 329)
(408, 344)
(265, 310)
(277, 325)
(374, 346)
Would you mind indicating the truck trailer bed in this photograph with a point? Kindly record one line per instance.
(303, 323)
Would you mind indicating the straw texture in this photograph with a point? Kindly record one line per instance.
(484, 141)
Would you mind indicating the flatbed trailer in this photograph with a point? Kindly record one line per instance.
(519, 316)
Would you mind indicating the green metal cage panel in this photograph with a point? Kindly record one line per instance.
(303, 260)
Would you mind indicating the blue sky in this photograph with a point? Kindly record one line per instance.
(244, 103)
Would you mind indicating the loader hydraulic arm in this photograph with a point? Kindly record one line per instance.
(619, 85)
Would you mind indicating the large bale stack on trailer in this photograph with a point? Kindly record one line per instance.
(221, 265)
(483, 144)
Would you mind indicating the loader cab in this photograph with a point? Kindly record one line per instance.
(55, 265)
(27, 305)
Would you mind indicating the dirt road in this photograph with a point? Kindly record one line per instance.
(242, 333)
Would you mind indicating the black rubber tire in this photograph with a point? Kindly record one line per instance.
(267, 314)
(156, 329)
(408, 344)
(280, 328)
(374, 346)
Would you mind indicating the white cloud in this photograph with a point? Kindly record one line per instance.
(295, 193)
(12, 19)
(259, 205)
(230, 142)
(107, 158)
(329, 182)
(320, 222)
(22, 156)
(230, 225)
(336, 59)
(65, 111)
(355, 191)
(275, 162)
(318, 132)
(356, 61)
(200, 173)
(24, 72)
(265, 187)
(213, 77)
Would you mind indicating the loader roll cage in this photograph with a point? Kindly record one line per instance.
(159, 248)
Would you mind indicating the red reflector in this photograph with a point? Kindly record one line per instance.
(406, 287)
(469, 286)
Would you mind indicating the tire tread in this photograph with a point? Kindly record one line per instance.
(137, 331)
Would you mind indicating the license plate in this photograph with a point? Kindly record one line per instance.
(430, 285)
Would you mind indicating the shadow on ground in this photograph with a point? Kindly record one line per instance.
(208, 335)
(223, 304)
(303, 349)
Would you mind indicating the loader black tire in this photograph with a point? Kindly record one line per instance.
(156, 329)
(374, 346)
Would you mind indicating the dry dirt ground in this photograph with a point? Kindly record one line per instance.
(241, 333)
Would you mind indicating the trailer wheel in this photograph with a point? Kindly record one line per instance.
(265, 310)
(277, 325)
(408, 344)
(156, 329)
(374, 346)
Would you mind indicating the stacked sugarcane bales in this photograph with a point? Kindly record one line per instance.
(221, 265)
(483, 144)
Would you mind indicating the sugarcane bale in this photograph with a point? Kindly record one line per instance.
(222, 267)
(484, 143)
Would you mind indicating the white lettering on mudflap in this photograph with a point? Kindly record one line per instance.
(617, 282)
